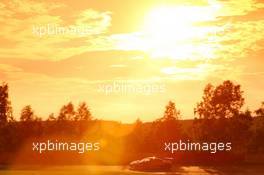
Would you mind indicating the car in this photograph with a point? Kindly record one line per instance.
(152, 164)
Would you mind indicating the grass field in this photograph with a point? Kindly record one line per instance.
(117, 170)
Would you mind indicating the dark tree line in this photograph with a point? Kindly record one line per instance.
(219, 118)
(6, 114)
(66, 113)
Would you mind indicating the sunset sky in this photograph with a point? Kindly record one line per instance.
(180, 45)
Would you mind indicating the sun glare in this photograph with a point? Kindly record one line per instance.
(173, 32)
(175, 19)
(176, 33)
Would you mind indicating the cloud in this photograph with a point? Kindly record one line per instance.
(240, 40)
(222, 36)
(202, 71)
(18, 18)
(22, 22)
(33, 7)
(97, 22)
(237, 8)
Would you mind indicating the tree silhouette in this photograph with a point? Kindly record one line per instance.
(83, 112)
(5, 105)
(138, 136)
(138, 123)
(257, 142)
(171, 113)
(168, 127)
(51, 117)
(27, 114)
(66, 112)
(260, 112)
(223, 101)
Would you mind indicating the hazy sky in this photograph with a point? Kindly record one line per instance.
(53, 52)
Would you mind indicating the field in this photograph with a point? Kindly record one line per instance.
(117, 170)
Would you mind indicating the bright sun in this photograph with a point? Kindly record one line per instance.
(172, 32)
(175, 32)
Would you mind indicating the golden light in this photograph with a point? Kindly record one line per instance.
(172, 20)
(173, 32)
(176, 32)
